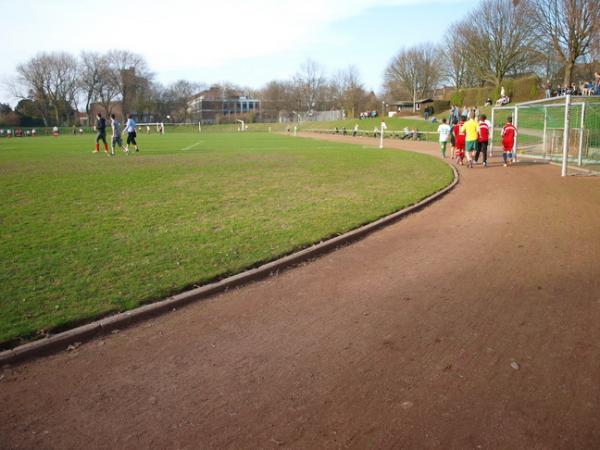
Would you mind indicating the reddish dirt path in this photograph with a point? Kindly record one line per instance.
(402, 340)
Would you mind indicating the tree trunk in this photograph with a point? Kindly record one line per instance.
(88, 105)
(568, 73)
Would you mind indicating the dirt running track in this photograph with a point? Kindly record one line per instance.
(402, 340)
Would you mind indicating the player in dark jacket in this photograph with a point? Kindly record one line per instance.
(101, 133)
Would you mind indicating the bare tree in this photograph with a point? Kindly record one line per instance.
(178, 94)
(65, 83)
(108, 87)
(90, 68)
(309, 84)
(595, 45)
(500, 39)
(454, 60)
(131, 75)
(50, 80)
(347, 91)
(31, 82)
(572, 26)
(414, 70)
(276, 97)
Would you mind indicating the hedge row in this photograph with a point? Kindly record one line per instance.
(519, 90)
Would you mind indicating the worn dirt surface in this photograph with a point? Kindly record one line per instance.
(474, 323)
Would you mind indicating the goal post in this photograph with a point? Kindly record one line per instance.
(168, 127)
(562, 130)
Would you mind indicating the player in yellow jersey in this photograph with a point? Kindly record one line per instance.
(470, 127)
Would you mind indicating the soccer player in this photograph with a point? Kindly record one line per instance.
(470, 128)
(452, 139)
(509, 132)
(131, 133)
(459, 140)
(101, 133)
(484, 136)
(115, 126)
(444, 131)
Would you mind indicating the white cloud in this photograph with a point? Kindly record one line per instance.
(179, 32)
(176, 35)
(215, 33)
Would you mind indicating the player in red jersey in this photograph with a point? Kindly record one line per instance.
(460, 137)
(483, 136)
(509, 132)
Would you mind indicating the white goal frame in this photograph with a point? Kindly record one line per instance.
(568, 104)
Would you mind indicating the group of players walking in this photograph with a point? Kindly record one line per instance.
(470, 138)
(116, 140)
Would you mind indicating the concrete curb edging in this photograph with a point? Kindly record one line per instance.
(78, 335)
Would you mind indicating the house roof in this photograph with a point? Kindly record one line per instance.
(410, 102)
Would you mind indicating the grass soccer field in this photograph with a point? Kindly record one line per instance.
(83, 235)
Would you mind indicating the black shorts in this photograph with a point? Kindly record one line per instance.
(131, 138)
(116, 140)
(100, 136)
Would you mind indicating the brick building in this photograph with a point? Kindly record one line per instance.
(219, 103)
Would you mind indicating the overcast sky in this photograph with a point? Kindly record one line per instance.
(247, 42)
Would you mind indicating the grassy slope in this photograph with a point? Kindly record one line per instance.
(83, 235)
(393, 123)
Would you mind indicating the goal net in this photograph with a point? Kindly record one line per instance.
(542, 137)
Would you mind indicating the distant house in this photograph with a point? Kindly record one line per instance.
(81, 119)
(443, 92)
(211, 105)
(115, 108)
(407, 105)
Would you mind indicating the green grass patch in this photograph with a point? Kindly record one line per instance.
(83, 235)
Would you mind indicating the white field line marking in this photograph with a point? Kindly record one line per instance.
(189, 147)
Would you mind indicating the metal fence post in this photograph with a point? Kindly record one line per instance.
(491, 145)
(516, 124)
(581, 130)
(545, 130)
(565, 154)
